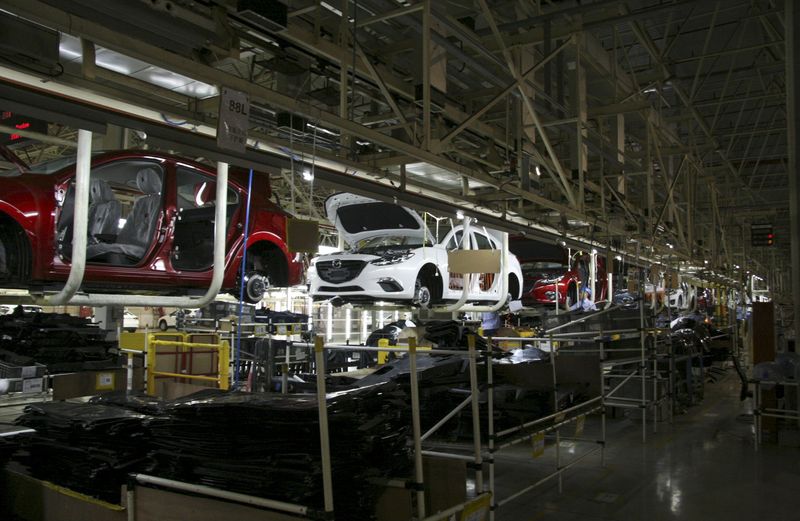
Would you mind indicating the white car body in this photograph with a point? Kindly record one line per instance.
(387, 257)
(680, 298)
(649, 288)
(130, 322)
(171, 320)
(7, 309)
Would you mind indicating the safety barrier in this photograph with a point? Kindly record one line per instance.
(220, 350)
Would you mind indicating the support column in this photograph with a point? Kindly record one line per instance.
(578, 150)
(792, 99)
(344, 79)
(426, 74)
(617, 126)
(649, 201)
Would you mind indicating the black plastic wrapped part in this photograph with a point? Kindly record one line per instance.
(62, 342)
(12, 437)
(86, 447)
(268, 445)
(137, 401)
(263, 445)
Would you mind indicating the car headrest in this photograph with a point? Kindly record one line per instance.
(100, 192)
(149, 180)
(205, 193)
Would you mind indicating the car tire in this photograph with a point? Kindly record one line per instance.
(422, 294)
(162, 325)
(14, 251)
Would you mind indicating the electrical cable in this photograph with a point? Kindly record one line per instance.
(242, 282)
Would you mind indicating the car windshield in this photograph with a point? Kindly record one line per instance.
(543, 266)
(387, 242)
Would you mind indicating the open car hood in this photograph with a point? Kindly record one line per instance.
(358, 218)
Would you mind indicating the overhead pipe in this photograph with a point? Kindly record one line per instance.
(465, 242)
(80, 220)
(102, 299)
(503, 295)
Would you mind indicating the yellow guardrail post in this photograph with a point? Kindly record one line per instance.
(224, 360)
(383, 355)
(151, 365)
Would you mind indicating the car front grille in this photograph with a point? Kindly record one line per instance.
(338, 271)
(340, 289)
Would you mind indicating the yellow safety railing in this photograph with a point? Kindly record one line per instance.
(223, 362)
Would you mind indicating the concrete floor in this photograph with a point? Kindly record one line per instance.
(703, 466)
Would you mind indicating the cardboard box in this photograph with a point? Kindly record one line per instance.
(35, 500)
(90, 383)
(445, 486)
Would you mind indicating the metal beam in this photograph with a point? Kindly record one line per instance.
(792, 102)
(384, 90)
(567, 189)
(480, 112)
(388, 15)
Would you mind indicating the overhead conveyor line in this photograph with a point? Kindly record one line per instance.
(460, 304)
(67, 294)
(465, 242)
(503, 291)
(80, 219)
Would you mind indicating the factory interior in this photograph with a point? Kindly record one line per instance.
(393, 260)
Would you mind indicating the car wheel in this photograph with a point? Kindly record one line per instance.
(255, 287)
(14, 251)
(422, 294)
(162, 325)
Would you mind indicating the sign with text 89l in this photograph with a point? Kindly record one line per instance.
(233, 121)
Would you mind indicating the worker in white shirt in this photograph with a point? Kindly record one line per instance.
(490, 323)
(584, 302)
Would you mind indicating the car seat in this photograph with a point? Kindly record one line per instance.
(136, 235)
(104, 212)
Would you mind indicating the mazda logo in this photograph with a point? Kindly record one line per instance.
(336, 263)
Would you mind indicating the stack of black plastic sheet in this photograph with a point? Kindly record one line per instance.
(134, 401)
(263, 445)
(86, 447)
(61, 342)
(11, 438)
(269, 446)
(449, 334)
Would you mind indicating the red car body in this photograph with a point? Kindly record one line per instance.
(35, 257)
(548, 273)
